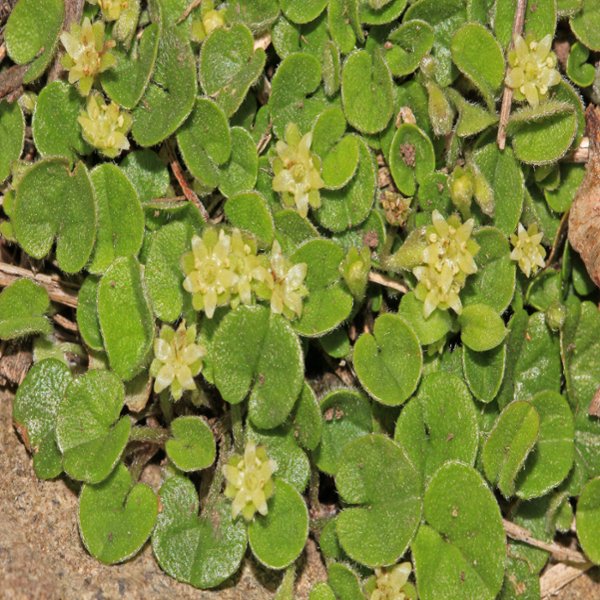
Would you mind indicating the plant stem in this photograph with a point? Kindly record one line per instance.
(237, 428)
(155, 435)
(387, 282)
(214, 491)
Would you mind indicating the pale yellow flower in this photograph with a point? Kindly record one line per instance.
(532, 69)
(527, 249)
(111, 9)
(390, 582)
(297, 171)
(177, 360)
(249, 481)
(210, 19)
(105, 126)
(87, 53)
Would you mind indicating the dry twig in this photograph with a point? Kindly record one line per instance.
(186, 13)
(188, 192)
(387, 282)
(559, 575)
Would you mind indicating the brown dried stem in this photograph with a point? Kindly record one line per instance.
(387, 282)
(517, 30)
(190, 7)
(188, 192)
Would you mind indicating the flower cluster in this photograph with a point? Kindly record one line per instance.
(447, 261)
(177, 359)
(111, 9)
(87, 53)
(396, 208)
(297, 171)
(532, 69)
(391, 583)
(249, 481)
(210, 19)
(225, 269)
(527, 249)
(105, 126)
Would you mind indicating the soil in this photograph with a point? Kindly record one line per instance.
(42, 558)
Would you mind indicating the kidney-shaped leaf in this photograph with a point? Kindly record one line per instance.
(192, 446)
(256, 352)
(408, 44)
(375, 474)
(116, 517)
(22, 308)
(481, 327)
(388, 362)
(34, 413)
(460, 552)
(55, 203)
(90, 432)
(202, 551)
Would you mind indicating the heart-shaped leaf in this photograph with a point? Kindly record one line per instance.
(250, 211)
(127, 341)
(291, 230)
(429, 330)
(367, 92)
(439, 424)
(255, 14)
(484, 371)
(256, 352)
(411, 158)
(388, 362)
(459, 552)
(12, 136)
(192, 447)
(509, 443)
(278, 538)
(202, 551)
(89, 430)
(588, 519)
(346, 416)
(481, 327)
(571, 177)
(116, 517)
(307, 421)
(34, 413)
(302, 12)
(229, 65)
(126, 82)
(147, 173)
(586, 24)
(53, 202)
(120, 217)
(375, 474)
(239, 173)
(552, 457)
(578, 69)
(328, 303)
(23, 305)
(408, 44)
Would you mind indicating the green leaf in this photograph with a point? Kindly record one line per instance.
(127, 341)
(439, 424)
(127, 81)
(278, 538)
(579, 70)
(585, 24)
(53, 202)
(472, 118)
(484, 371)
(23, 305)
(250, 211)
(89, 430)
(202, 551)
(388, 362)
(376, 476)
(409, 43)
(509, 443)
(258, 15)
(291, 230)
(332, 69)
(34, 413)
(229, 65)
(588, 519)
(505, 179)
(367, 93)
(302, 12)
(116, 517)
(171, 93)
(120, 217)
(344, 582)
(344, 24)
(552, 457)
(256, 352)
(297, 77)
(307, 422)
(380, 12)
(571, 177)
(87, 314)
(346, 416)
(147, 173)
(481, 327)
(240, 172)
(349, 206)
(56, 131)
(192, 446)
(479, 57)
(411, 158)
(163, 274)
(460, 552)
(322, 591)
(430, 329)
(520, 582)
(205, 141)
(12, 136)
(292, 463)
(328, 302)
(31, 37)
(494, 282)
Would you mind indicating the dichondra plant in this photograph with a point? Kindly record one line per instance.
(322, 263)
